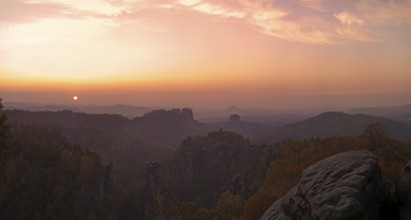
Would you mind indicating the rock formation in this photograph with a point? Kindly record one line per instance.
(234, 118)
(169, 115)
(155, 202)
(403, 192)
(240, 184)
(212, 170)
(345, 186)
(187, 114)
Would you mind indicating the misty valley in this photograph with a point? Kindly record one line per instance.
(166, 164)
(205, 109)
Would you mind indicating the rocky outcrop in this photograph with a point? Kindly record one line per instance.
(206, 171)
(154, 207)
(403, 192)
(234, 118)
(345, 186)
(169, 116)
(212, 160)
(187, 114)
(240, 184)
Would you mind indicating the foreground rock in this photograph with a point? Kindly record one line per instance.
(345, 186)
(403, 192)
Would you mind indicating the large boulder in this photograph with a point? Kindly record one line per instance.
(345, 186)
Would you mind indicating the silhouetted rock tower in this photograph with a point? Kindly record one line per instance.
(234, 118)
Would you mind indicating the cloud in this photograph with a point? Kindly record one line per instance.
(315, 5)
(218, 10)
(389, 12)
(189, 2)
(305, 21)
(21, 11)
(15, 12)
(315, 21)
(280, 19)
(347, 18)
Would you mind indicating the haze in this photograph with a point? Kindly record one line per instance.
(280, 53)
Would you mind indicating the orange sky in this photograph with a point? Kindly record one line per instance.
(210, 53)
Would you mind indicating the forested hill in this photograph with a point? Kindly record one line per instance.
(389, 112)
(158, 129)
(224, 176)
(330, 124)
(208, 177)
(44, 177)
(165, 129)
(75, 166)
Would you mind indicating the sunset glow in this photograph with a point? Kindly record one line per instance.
(280, 53)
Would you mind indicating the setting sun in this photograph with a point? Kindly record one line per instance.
(207, 53)
(205, 109)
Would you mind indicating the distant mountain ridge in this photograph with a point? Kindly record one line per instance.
(389, 112)
(159, 127)
(330, 124)
(173, 125)
(248, 129)
(170, 127)
(128, 111)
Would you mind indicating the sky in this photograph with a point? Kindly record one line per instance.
(206, 53)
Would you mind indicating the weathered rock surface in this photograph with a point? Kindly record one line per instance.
(403, 192)
(345, 186)
(240, 184)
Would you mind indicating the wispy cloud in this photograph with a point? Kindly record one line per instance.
(218, 10)
(21, 11)
(306, 21)
(316, 5)
(352, 27)
(389, 12)
(280, 19)
(349, 19)
(189, 2)
(14, 12)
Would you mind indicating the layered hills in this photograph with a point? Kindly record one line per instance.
(166, 164)
(167, 128)
(330, 124)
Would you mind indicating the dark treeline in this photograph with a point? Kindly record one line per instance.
(43, 177)
(79, 172)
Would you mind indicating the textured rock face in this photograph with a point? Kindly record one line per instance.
(240, 184)
(403, 192)
(154, 203)
(187, 114)
(345, 186)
